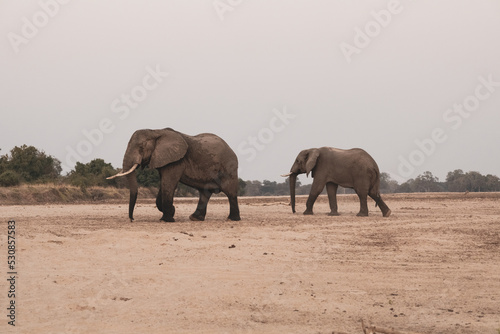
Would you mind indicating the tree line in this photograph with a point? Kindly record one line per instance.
(27, 164)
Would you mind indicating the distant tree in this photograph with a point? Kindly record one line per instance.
(456, 174)
(476, 182)
(303, 189)
(283, 188)
(9, 178)
(492, 183)
(455, 181)
(268, 188)
(30, 164)
(4, 161)
(426, 182)
(241, 187)
(273, 188)
(92, 174)
(387, 184)
(406, 187)
(471, 181)
(253, 188)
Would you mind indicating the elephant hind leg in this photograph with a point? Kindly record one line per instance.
(234, 210)
(230, 188)
(386, 212)
(201, 209)
(331, 189)
(363, 210)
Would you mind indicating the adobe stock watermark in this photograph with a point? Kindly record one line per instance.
(454, 118)
(121, 107)
(30, 27)
(223, 7)
(364, 36)
(259, 142)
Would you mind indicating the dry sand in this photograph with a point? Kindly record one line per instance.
(432, 267)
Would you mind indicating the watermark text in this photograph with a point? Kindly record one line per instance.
(258, 142)
(453, 117)
(121, 106)
(30, 27)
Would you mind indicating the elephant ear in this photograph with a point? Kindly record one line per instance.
(170, 147)
(312, 157)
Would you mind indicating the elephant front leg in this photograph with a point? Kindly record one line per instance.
(201, 209)
(166, 199)
(168, 210)
(331, 189)
(159, 204)
(316, 189)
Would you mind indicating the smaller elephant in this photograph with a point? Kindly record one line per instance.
(332, 167)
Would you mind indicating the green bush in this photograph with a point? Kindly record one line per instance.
(9, 178)
(32, 164)
(92, 174)
(147, 177)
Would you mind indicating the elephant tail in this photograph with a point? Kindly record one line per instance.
(375, 188)
(377, 198)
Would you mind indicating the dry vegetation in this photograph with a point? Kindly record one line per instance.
(54, 193)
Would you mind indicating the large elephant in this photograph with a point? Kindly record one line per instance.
(204, 162)
(332, 167)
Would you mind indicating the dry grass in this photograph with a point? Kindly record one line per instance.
(57, 193)
(66, 194)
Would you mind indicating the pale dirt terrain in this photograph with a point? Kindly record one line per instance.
(432, 267)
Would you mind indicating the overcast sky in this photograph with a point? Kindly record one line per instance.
(414, 83)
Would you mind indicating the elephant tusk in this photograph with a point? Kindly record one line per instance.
(286, 175)
(123, 174)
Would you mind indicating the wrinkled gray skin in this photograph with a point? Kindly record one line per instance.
(204, 162)
(332, 167)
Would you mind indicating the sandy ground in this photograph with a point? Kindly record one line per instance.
(432, 267)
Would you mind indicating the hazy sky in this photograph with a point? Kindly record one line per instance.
(414, 83)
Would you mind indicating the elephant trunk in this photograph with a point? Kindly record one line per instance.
(293, 180)
(132, 182)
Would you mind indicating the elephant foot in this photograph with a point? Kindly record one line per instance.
(234, 218)
(388, 213)
(334, 214)
(196, 218)
(362, 214)
(167, 219)
(308, 213)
